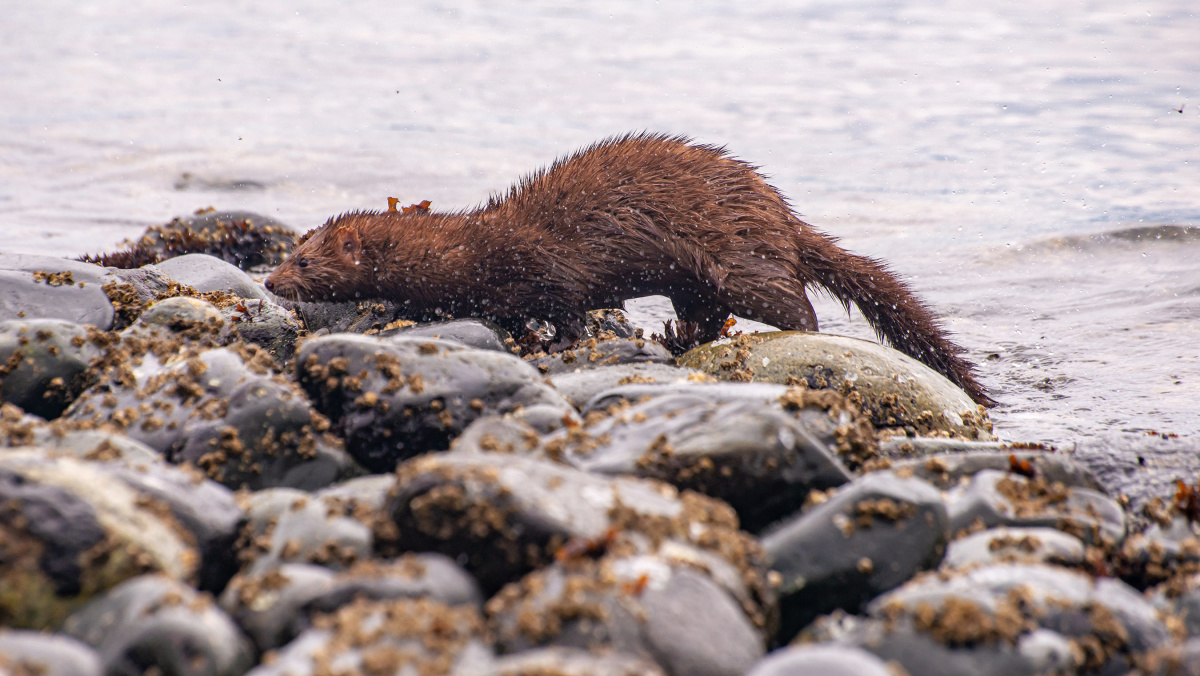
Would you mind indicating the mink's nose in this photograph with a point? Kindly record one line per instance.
(269, 284)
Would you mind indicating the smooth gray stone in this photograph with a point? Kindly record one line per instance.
(80, 302)
(585, 355)
(820, 660)
(1027, 545)
(579, 387)
(477, 333)
(566, 662)
(35, 652)
(152, 621)
(203, 272)
(871, 536)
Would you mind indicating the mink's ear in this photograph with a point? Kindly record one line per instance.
(347, 241)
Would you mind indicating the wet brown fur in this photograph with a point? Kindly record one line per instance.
(630, 216)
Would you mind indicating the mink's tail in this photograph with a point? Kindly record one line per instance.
(889, 306)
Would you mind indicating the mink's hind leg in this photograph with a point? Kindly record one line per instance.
(704, 309)
(782, 303)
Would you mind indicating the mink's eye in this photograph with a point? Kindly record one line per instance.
(303, 262)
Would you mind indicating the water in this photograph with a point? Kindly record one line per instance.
(1023, 164)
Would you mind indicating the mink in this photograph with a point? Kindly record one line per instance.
(629, 216)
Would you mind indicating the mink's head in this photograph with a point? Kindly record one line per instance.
(327, 264)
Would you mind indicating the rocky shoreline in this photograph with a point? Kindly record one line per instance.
(197, 477)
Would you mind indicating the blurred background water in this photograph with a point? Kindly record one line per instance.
(1032, 167)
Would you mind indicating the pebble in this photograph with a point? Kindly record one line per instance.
(36, 653)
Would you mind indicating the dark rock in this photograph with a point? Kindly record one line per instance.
(592, 353)
(242, 238)
(761, 459)
(477, 333)
(266, 324)
(71, 530)
(276, 605)
(399, 636)
(44, 363)
(209, 273)
(40, 654)
(1181, 597)
(155, 623)
(1023, 545)
(223, 410)
(871, 536)
(502, 516)
(821, 660)
(995, 498)
(395, 398)
(44, 287)
(610, 320)
(654, 607)
(1178, 660)
(1161, 552)
(579, 387)
(566, 662)
(894, 389)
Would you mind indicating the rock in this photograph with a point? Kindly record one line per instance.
(34, 652)
(480, 334)
(44, 364)
(288, 525)
(154, 622)
(610, 320)
(1181, 598)
(277, 605)
(209, 273)
(391, 399)
(265, 324)
(821, 660)
(1163, 551)
(591, 353)
(242, 238)
(566, 662)
(45, 287)
(399, 636)
(871, 536)
(579, 387)
(948, 470)
(223, 409)
(716, 392)
(204, 508)
(1104, 621)
(1020, 545)
(70, 530)
(995, 498)
(503, 516)
(652, 606)
(893, 388)
(1139, 466)
(914, 651)
(761, 459)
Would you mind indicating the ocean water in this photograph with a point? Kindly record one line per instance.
(1033, 168)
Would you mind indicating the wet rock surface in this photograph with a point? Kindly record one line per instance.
(762, 458)
(162, 441)
(892, 388)
(156, 623)
(44, 364)
(868, 537)
(394, 398)
(31, 652)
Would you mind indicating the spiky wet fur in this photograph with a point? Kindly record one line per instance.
(629, 216)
